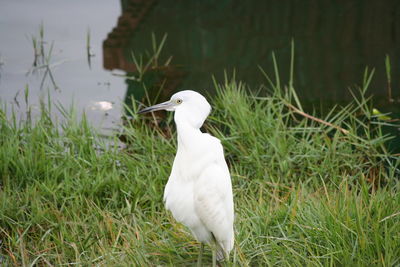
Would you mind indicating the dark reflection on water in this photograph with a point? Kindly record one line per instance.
(334, 42)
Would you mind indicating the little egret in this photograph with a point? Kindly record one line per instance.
(199, 191)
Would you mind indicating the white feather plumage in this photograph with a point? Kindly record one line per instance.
(199, 190)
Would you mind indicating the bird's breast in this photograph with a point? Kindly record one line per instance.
(189, 163)
(178, 197)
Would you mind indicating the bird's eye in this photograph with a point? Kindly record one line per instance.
(179, 101)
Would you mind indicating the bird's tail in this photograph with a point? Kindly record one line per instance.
(223, 249)
(221, 254)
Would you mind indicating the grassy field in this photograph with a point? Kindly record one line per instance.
(306, 193)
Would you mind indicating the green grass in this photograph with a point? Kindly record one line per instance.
(305, 193)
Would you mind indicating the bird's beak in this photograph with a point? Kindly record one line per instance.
(168, 105)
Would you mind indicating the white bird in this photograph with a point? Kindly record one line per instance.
(199, 190)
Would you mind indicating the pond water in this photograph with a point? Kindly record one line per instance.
(65, 26)
(334, 42)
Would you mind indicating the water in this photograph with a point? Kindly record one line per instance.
(334, 42)
(93, 90)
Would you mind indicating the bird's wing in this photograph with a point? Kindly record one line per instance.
(213, 203)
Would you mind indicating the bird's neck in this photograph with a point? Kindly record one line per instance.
(186, 134)
(188, 123)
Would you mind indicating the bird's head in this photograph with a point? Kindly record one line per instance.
(189, 106)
